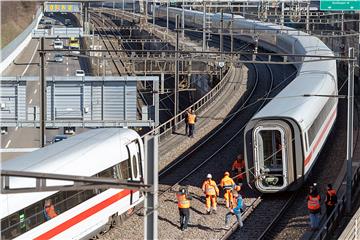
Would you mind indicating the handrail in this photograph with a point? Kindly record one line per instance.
(167, 127)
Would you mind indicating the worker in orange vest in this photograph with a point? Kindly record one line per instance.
(228, 185)
(183, 199)
(238, 168)
(211, 191)
(49, 210)
(191, 122)
(331, 200)
(313, 204)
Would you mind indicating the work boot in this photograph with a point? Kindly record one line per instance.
(208, 212)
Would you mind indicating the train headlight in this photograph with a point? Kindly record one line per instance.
(272, 180)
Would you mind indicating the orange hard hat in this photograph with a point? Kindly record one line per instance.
(226, 174)
(237, 188)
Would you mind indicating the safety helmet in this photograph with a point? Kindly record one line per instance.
(209, 175)
(237, 188)
(182, 190)
(226, 174)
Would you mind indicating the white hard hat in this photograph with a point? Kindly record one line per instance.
(208, 176)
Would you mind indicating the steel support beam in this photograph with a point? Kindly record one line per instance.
(73, 182)
(151, 178)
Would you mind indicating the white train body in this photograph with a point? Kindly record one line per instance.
(283, 140)
(116, 153)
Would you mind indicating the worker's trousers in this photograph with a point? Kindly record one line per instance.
(238, 218)
(228, 198)
(191, 130)
(184, 217)
(210, 200)
(314, 220)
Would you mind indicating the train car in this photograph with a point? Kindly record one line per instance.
(110, 152)
(283, 140)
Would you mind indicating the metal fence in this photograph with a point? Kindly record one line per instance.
(11, 47)
(88, 101)
(199, 106)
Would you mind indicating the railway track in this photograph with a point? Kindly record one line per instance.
(199, 159)
(179, 172)
(101, 21)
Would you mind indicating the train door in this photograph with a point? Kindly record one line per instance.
(134, 154)
(272, 155)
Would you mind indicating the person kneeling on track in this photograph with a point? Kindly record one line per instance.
(211, 191)
(184, 207)
(228, 184)
(236, 209)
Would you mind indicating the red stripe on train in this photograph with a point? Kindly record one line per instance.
(82, 216)
(307, 160)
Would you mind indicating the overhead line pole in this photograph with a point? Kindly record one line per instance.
(349, 142)
(42, 93)
(204, 26)
(176, 83)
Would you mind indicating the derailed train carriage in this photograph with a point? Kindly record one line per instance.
(111, 152)
(283, 140)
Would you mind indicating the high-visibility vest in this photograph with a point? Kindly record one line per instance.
(238, 165)
(227, 183)
(183, 202)
(314, 203)
(332, 194)
(50, 211)
(191, 118)
(210, 188)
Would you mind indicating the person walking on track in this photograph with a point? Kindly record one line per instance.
(236, 209)
(211, 192)
(238, 168)
(191, 122)
(331, 200)
(183, 199)
(228, 184)
(313, 204)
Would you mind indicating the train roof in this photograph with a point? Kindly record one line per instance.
(85, 155)
(317, 77)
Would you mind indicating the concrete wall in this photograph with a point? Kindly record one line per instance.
(15, 47)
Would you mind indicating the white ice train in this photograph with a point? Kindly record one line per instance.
(283, 140)
(116, 153)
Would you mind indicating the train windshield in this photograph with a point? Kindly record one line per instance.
(270, 157)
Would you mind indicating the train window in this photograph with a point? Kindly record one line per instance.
(107, 173)
(135, 166)
(33, 215)
(125, 169)
(320, 119)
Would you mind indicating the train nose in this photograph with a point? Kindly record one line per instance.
(272, 155)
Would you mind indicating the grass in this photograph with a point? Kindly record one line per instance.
(15, 17)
